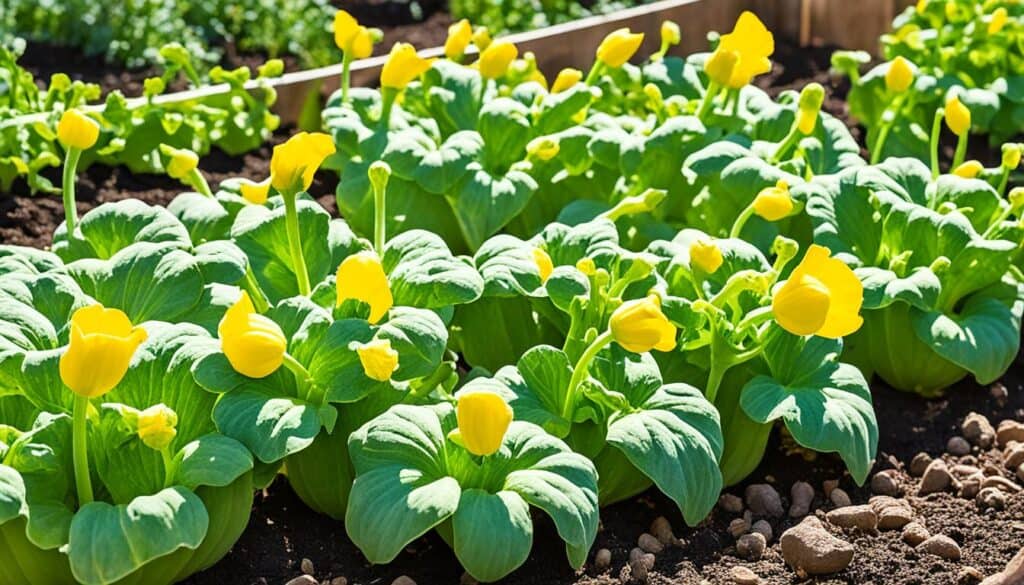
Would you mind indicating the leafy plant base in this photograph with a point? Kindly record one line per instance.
(617, 478)
(322, 474)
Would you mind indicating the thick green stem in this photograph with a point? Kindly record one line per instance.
(68, 187)
(388, 95)
(582, 369)
(709, 100)
(256, 294)
(302, 377)
(346, 77)
(1004, 180)
(787, 143)
(291, 216)
(169, 470)
(80, 452)
(961, 150)
(741, 220)
(380, 218)
(934, 143)
(595, 71)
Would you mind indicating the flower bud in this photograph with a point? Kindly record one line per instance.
(998, 20)
(822, 297)
(670, 34)
(76, 130)
(379, 360)
(482, 38)
(639, 326)
(811, 98)
(969, 169)
(720, 65)
(543, 148)
(586, 266)
(460, 35)
(101, 347)
(157, 427)
(567, 78)
(706, 255)
(379, 174)
(495, 59)
(1011, 155)
(403, 66)
(618, 47)
(899, 76)
(1016, 198)
(774, 203)
(484, 418)
(958, 116)
(181, 161)
(361, 277)
(294, 163)
(253, 344)
(544, 264)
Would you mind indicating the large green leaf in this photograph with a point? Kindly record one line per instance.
(484, 202)
(211, 460)
(270, 425)
(423, 272)
(12, 495)
(112, 227)
(483, 519)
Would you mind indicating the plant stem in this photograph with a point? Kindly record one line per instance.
(388, 95)
(885, 128)
(252, 286)
(198, 182)
(80, 453)
(741, 220)
(165, 454)
(301, 374)
(68, 187)
(786, 144)
(1004, 181)
(709, 99)
(580, 372)
(595, 71)
(934, 145)
(346, 66)
(291, 216)
(380, 218)
(961, 150)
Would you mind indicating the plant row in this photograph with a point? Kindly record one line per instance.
(549, 296)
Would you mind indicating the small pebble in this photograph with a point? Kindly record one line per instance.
(739, 527)
(991, 498)
(936, 478)
(403, 580)
(958, 446)
(808, 547)
(801, 494)
(1009, 430)
(649, 543)
(915, 533)
(919, 463)
(969, 575)
(1013, 455)
(1001, 483)
(978, 430)
(840, 498)
(743, 576)
(991, 469)
(942, 546)
(751, 546)
(828, 485)
(303, 580)
(895, 517)
(862, 517)
(885, 483)
(964, 470)
(602, 560)
(763, 500)
(307, 567)
(998, 392)
(1020, 472)
(662, 530)
(763, 528)
(339, 581)
(970, 487)
(731, 503)
(638, 570)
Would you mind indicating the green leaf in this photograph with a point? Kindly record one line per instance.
(423, 272)
(482, 520)
(535, 388)
(883, 287)
(22, 260)
(211, 460)
(110, 542)
(112, 227)
(419, 336)
(484, 202)
(270, 425)
(12, 495)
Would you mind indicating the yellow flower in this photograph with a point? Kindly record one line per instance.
(379, 359)
(640, 326)
(76, 130)
(103, 342)
(1012, 155)
(403, 66)
(618, 47)
(346, 27)
(958, 116)
(294, 163)
(670, 34)
(255, 193)
(482, 38)
(254, 344)
(544, 264)
(157, 426)
(822, 297)
(774, 203)
(361, 277)
(567, 78)
(484, 418)
(899, 76)
(721, 64)
(495, 59)
(587, 266)
(921, 7)
(362, 44)
(809, 106)
(543, 148)
(460, 35)
(706, 255)
(753, 44)
(969, 169)
(182, 161)
(998, 21)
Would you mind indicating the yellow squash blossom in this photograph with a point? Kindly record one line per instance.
(969, 169)
(460, 35)
(544, 264)
(587, 266)
(774, 203)
(403, 66)
(346, 27)
(640, 326)
(998, 21)
(294, 163)
(378, 358)
(495, 59)
(809, 106)
(484, 418)
(157, 426)
(76, 130)
(822, 297)
(670, 34)
(362, 44)
(181, 161)
(958, 116)
(753, 44)
(255, 193)
(482, 38)
(720, 65)
(567, 78)
(361, 277)
(706, 255)
(1011, 155)
(899, 76)
(254, 344)
(543, 148)
(618, 47)
(103, 342)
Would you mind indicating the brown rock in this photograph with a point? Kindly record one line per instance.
(964, 470)
(999, 392)
(662, 530)
(969, 575)
(307, 567)
(1020, 472)
(1013, 455)
(919, 463)
(648, 543)
(751, 546)
(1001, 483)
(828, 485)
(840, 498)
(303, 580)
(810, 548)
(739, 527)
(763, 500)
(602, 560)
(991, 469)
(1013, 574)
(915, 533)
(743, 576)
(991, 498)
(936, 478)
(859, 517)
(339, 581)
(942, 546)
(731, 503)
(802, 495)
(763, 528)
(970, 487)
(1009, 430)
(467, 579)
(958, 446)
(895, 517)
(886, 483)
(978, 430)
(403, 580)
